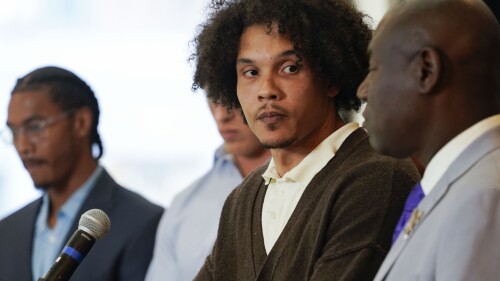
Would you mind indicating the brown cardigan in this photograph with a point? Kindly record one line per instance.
(340, 230)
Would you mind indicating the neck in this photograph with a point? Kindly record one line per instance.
(287, 158)
(246, 164)
(450, 127)
(60, 193)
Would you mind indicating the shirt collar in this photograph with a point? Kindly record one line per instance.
(71, 206)
(449, 153)
(315, 160)
(221, 154)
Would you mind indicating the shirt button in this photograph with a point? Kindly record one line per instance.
(273, 215)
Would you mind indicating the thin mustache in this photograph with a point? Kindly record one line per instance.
(32, 160)
(229, 131)
(274, 107)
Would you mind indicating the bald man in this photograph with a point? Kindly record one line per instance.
(435, 78)
(494, 5)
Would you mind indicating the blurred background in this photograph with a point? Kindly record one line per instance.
(158, 135)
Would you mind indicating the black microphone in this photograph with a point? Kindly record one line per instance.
(93, 225)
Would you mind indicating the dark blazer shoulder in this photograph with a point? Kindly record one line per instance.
(125, 252)
(16, 239)
(21, 215)
(109, 194)
(125, 208)
(20, 224)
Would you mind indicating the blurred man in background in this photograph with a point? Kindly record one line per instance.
(435, 78)
(52, 121)
(187, 232)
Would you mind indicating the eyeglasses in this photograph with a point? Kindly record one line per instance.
(33, 131)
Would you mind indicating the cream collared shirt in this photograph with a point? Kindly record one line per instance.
(449, 153)
(283, 193)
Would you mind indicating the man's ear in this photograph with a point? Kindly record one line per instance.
(428, 69)
(83, 122)
(333, 90)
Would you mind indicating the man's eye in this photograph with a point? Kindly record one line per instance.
(34, 127)
(250, 73)
(291, 69)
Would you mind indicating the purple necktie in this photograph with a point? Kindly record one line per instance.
(416, 195)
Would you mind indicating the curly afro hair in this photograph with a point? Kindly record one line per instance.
(331, 34)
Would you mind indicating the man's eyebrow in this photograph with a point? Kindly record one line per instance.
(244, 61)
(284, 54)
(288, 53)
(30, 119)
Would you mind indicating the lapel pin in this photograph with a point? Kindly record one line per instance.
(416, 215)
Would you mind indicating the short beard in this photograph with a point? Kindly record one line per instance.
(283, 144)
(41, 187)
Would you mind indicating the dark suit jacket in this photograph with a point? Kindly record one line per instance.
(124, 254)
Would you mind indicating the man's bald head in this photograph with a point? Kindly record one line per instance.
(434, 68)
(495, 7)
(464, 32)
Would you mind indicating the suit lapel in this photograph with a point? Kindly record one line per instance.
(100, 197)
(470, 156)
(425, 207)
(25, 232)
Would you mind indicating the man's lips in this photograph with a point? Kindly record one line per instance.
(229, 135)
(31, 164)
(365, 123)
(271, 117)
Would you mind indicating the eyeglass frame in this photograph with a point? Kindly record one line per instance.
(33, 129)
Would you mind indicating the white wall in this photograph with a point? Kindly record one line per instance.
(158, 135)
(374, 8)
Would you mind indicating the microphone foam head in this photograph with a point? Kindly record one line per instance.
(95, 222)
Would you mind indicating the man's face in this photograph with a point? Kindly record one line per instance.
(50, 156)
(238, 138)
(393, 113)
(284, 103)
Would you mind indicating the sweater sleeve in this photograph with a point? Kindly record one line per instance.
(206, 271)
(362, 220)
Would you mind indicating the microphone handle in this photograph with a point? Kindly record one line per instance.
(71, 256)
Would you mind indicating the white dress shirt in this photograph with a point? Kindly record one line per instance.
(448, 153)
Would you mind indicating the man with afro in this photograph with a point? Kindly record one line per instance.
(326, 205)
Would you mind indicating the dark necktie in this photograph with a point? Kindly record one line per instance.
(415, 196)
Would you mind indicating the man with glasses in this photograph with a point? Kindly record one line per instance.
(52, 122)
(34, 131)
